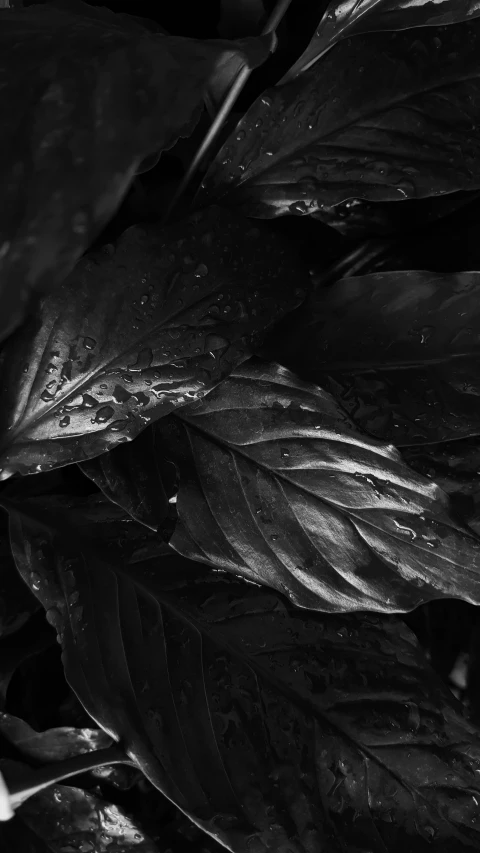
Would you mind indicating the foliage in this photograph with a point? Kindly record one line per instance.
(240, 459)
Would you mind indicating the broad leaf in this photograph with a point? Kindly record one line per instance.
(56, 744)
(34, 638)
(64, 818)
(272, 727)
(123, 342)
(400, 351)
(278, 485)
(83, 100)
(131, 476)
(351, 17)
(16, 602)
(384, 117)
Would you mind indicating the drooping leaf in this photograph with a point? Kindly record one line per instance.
(278, 485)
(83, 100)
(345, 19)
(383, 117)
(55, 744)
(273, 728)
(399, 350)
(154, 326)
(130, 476)
(64, 818)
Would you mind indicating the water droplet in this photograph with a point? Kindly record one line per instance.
(57, 797)
(266, 101)
(407, 531)
(50, 368)
(240, 135)
(118, 426)
(51, 384)
(437, 42)
(284, 453)
(64, 422)
(258, 122)
(54, 617)
(144, 299)
(298, 208)
(89, 343)
(89, 402)
(36, 580)
(103, 415)
(274, 537)
(201, 271)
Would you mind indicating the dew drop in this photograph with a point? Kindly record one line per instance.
(258, 122)
(103, 415)
(118, 426)
(201, 271)
(240, 135)
(144, 299)
(89, 343)
(284, 453)
(64, 422)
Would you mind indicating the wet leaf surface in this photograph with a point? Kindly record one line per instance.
(54, 744)
(272, 727)
(125, 341)
(399, 350)
(383, 117)
(345, 19)
(278, 485)
(83, 100)
(64, 819)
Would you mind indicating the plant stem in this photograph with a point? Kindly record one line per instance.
(21, 789)
(225, 109)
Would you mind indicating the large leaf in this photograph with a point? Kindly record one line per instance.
(123, 342)
(56, 744)
(272, 727)
(278, 485)
(384, 117)
(16, 602)
(64, 818)
(82, 101)
(351, 17)
(399, 350)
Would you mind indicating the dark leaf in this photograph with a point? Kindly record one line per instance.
(131, 476)
(16, 601)
(34, 638)
(344, 19)
(272, 727)
(384, 117)
(83, 100)
(63, 819)
(124, 342)
(54, 744)
(278, 485)
(399, 350)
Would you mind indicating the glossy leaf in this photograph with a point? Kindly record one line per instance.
(399, 350)
(16, 602)
(124, 342)
(131, 476)
(56, 744)
(64, 818)
(383, 117)
(278, 485)
(272, 727)
(345, 19)
(83, 100)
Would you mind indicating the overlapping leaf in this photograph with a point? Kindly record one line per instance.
(131, 477)
(64, 818)
(345, 19)
(278, 485)
(272, 727)
(56, 744)
(82, 101)
(123, 342)
(399, 350)
(384, 117)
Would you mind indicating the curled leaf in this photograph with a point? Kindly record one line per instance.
(351, 17)
(125, 341)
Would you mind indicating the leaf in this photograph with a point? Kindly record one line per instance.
(34, 638)
(130, 476)
(399, 350)
(66, 818)
(83, 100)
(122, 343)
(55, 744)
(384, 117)
(272, 727)
(16, 602)
(278, 485)
(345, 19)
